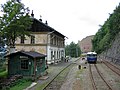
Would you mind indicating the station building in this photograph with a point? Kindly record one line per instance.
(44, 39)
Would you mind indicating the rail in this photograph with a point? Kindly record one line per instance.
(100, 74)
(110, 88)
(112, 67)
(59, 74)
(92, 79)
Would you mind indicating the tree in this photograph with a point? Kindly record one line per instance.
(78, 50)
(15, 21)
(107, 33)
(72, 50)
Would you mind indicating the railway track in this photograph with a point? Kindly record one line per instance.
(92, 77)
(112, 67)
(57, 81)
(56, 84)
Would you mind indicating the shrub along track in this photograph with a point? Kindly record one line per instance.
(97, 79)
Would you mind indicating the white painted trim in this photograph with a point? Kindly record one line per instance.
(55, 50)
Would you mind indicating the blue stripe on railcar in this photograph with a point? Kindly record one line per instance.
(91, 59)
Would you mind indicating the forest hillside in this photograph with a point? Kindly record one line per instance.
(106, 42)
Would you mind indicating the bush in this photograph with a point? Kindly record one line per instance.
(21, 84)
(3, 74)
(2, 65)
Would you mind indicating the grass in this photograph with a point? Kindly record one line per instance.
(21, 84)
(64, 73)
(78, 73)
(41, 87)
(3, 74)
(2, 69)
(18, 85)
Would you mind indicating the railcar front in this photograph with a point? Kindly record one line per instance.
(91, 57)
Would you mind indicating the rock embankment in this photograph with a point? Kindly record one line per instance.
(113, 53)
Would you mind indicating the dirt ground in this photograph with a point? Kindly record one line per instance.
(78, 79)
(70, 79)
(74, 81)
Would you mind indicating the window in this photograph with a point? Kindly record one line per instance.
(22, 39)
(39, 62)
(24, 63)
(51, 55)
(57, 55)
(62, 53)
(54, 54)
(32, 39)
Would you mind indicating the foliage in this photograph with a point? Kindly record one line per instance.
(72, 50)
(3, 74)
(2, 64)
(15, 21)
(21, 84)
(106, 34)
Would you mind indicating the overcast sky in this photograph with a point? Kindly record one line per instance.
(75, 19)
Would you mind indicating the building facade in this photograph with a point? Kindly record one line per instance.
(44, 39)
(86, 44)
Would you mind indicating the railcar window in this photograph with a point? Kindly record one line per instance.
(91, 55)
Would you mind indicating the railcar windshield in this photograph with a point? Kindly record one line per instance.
(91, 54)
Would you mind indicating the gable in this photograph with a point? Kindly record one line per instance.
(39, 26)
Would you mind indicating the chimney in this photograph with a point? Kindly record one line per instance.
(40, 18)
(46, 22)
(32, 14)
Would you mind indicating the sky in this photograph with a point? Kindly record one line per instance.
(76, 19)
